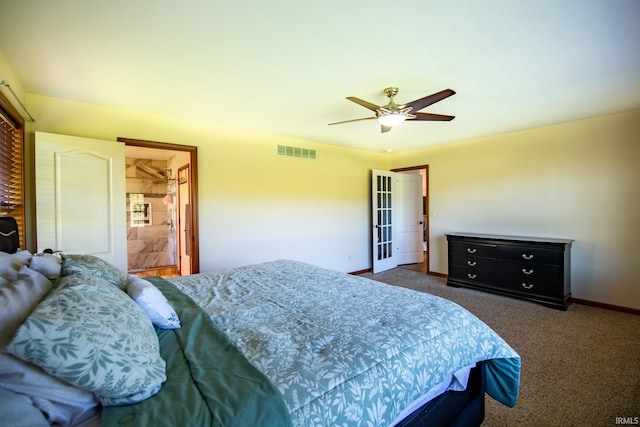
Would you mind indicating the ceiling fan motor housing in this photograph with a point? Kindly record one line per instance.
(391, 91)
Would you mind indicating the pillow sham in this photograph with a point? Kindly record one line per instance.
(18, 299)
(153, 302)
(92, 335)
(92, 265)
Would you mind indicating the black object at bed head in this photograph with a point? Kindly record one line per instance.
(9, 238)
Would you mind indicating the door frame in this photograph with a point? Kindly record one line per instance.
(181, 219)
(193, 190)
(426, 209)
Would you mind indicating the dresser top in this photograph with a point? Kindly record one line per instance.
(512, 238)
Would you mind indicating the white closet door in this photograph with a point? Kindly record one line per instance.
(80, 196)
(409, 218)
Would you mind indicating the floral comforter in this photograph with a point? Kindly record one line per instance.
(345, 350)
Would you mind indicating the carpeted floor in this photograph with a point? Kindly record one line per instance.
(580, 367)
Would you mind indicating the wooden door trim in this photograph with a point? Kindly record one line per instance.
(193, 194)
(180, 218)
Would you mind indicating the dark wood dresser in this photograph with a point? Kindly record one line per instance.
(530, 268)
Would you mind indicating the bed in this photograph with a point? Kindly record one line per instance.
(272, 344)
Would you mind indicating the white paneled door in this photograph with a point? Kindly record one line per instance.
(409, 217)
(80, 196)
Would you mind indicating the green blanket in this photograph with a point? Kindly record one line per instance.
(210, 383)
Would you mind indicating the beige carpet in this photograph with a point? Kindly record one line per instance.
(580, 367)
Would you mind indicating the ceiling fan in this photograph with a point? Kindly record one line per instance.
(393, 114)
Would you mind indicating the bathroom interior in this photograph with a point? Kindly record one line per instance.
(152, 210)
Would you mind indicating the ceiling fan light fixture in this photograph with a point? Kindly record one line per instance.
(391, 119)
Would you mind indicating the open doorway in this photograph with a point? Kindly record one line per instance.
(161, 199)
(422, 266)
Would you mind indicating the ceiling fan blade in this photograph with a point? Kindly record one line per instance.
(384, 128)
(354, 120)
(429, 117)
(365, 104)
(421, 103)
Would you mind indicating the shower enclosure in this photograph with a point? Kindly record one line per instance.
(151, 216)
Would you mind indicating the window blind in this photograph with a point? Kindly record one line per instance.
(11, 165)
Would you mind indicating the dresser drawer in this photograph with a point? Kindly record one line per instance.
(474, 263)
(530, 271)
(474, 249)
(532, 287)
(471, 275)
(533, 255)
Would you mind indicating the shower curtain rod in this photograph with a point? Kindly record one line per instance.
(7, 85)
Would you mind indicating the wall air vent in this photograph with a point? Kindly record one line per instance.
(301, 153)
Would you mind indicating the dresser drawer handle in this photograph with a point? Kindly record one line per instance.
(472, 263)
(471, 250)
(525, 271)
(525, 256)
(471, 276)
(524, 285)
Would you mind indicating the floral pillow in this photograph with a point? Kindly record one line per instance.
(92, 335)
(94, 266)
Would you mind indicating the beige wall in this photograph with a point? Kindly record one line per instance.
(254, 206)
(577, 180)
(6, 73)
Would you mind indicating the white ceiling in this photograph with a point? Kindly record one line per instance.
(285, 67)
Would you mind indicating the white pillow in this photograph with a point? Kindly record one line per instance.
(49, 265)
(153, 302)
(10, 264)
(18, 299)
